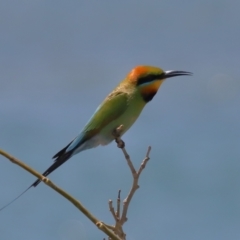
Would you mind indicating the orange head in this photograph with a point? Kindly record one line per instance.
(148, 79)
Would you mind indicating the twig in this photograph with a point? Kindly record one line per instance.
(118, 204)
(102, 226)
(111, 208)
(114, 232)
(136, 174)
(135, 186)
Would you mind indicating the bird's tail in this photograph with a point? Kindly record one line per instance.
(61, 157)
(15, 199)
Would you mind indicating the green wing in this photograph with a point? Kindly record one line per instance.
(112, 108)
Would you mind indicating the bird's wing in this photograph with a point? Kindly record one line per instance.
(111, 108)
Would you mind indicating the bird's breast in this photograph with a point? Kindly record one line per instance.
(127, 119)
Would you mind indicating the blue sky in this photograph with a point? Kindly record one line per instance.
(58, 61)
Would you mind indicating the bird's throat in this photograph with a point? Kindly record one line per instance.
(149, 90)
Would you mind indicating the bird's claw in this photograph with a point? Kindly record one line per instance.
(120, 143)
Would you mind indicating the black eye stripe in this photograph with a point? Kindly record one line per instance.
(149, 78)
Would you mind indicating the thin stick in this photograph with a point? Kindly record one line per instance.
(74, 201)
(118, 204)
(111, 209)
(136, 174)
(134, 187)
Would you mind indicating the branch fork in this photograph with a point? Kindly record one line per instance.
(121, 218)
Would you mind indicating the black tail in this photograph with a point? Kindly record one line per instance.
(60, 158)
(58, 162)
(14, 199)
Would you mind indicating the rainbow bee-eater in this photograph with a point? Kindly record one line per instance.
(121, 107)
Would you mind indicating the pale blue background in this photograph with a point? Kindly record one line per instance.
(59, 59)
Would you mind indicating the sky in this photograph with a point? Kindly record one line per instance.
(58, 61)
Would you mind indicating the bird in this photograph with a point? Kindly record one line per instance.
(121, 107)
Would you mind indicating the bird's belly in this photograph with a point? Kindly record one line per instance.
(101, 139)
(105, 136)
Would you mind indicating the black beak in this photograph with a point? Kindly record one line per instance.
(171, 73)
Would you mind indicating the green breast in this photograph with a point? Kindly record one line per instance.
(135, 105)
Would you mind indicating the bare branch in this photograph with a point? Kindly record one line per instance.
(129, 162)
(75, 202)
(144, 162)
(111, 209)
(136, 174)
(118, 204)
(135, 186)
(114, 232)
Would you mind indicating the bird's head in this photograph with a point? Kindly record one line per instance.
(148, 79)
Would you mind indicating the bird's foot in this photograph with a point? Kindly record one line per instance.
(117, 135)
(120, 143)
